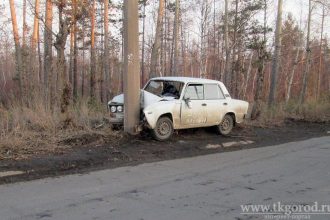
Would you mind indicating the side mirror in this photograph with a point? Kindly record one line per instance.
(188, 102)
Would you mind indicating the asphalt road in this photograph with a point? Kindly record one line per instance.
(205, 187)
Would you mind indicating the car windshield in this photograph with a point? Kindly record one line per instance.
(164, 88)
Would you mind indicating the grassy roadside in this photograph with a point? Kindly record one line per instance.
(29, 132)
(311, 111)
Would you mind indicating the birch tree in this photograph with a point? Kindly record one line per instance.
(176, 30)
(308, 55)
(277, 54)
(227, 63)
(154, 64)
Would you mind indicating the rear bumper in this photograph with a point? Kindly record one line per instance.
(240, 118)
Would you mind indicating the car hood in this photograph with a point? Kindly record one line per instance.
(146, 99)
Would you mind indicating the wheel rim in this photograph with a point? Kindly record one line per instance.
(225, 125)
(164, 129)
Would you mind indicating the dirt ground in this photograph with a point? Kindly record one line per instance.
(128, 151)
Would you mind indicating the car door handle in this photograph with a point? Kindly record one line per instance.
(225, 103)
(204, 104)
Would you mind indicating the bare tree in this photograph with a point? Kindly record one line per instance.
(262, 56)
(291, 76)
(204, 21)
(143, 42)
(48, 55)
(176, 29)
(154, 65)
(308, 55)
(277, 54)
(18, 51)
(106, 49)
(75, 51)
(35, 40)
(93, 56)
(318, 91)
(64, 87)
(226, 72)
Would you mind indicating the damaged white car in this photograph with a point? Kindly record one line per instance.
(170, 103)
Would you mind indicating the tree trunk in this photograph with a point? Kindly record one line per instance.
(64, 88)
(48, 55)
(106, 50)
(83, 61)
(39, 56)
(260, 75)
(93, 57)
(246, 84)
(288, 94)
(34, 41)
(234, 62)
(18, 51)
(24, 77)
(318, 91)
(225, 76)
(277, 55)
(75, 52)
(154, 65)
(308, 52)
(143, 43)
(175, 39)
(71, 55)
(24, 24)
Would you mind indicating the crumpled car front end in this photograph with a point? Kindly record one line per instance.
(116, 109)
(116, 106)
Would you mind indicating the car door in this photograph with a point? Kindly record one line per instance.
(193, 107)
(216, 104)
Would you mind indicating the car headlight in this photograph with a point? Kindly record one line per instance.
(113, 109)
(120, 108)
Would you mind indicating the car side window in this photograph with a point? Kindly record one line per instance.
(213, 92)
(194, 92)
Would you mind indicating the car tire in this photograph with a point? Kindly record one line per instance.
(163, 130)
(226, 125)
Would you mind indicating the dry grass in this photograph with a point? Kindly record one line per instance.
(27, 132)
(311, 111)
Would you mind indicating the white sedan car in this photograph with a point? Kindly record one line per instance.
(169, 103)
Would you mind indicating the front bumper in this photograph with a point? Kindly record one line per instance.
(116, 118)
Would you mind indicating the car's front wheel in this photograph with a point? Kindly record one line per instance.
(163, 130)
(226, 126)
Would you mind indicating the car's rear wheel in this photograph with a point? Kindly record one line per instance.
(163, 130)
(227, 125)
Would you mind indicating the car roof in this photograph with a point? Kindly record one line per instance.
(186, 79)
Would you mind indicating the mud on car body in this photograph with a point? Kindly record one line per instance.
(170, 103)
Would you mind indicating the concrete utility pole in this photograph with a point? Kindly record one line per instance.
(131, 67)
